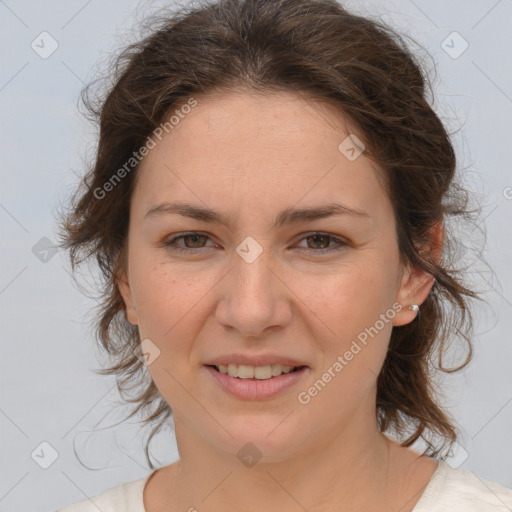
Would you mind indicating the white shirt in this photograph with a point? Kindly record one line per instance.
(449, 490)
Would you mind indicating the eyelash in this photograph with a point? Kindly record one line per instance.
(170, 244)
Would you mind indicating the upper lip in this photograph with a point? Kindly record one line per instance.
(261, 360)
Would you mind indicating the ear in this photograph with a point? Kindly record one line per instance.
(126, 293)
(416, 283)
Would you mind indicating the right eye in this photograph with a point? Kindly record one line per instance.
(194, 239)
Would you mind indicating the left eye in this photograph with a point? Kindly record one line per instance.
(197, 240)
(324, 239)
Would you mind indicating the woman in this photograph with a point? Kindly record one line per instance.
(269, 205)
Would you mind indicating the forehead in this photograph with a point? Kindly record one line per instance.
(241, 144)
(249, 121)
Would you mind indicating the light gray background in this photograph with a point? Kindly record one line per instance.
(48, 391)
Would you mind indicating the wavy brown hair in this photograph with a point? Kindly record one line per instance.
(317, 49)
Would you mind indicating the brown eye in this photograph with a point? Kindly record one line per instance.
(323, 243)
(319, 241)
(195, 240)
(191, 241)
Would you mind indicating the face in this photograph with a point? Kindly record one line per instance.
(257, 280)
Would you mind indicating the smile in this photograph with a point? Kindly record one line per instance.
(243, 371)
(255, 382)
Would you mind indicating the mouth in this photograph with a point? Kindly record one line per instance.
(255, 372)
(256, 382)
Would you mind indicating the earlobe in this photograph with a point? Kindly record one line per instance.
(417, 283)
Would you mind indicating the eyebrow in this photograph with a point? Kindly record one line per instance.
(287, 216)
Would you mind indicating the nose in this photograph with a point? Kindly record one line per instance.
(254, 297)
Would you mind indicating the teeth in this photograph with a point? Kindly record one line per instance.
(243, 371)
(263, 372)
(277, 369)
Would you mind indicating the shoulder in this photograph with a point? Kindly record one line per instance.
(126, 497)
(459, 490)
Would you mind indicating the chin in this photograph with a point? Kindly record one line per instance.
(269, 439)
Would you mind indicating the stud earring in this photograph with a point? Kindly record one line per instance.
(414, 307)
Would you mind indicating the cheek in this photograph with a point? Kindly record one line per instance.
(169, 317)
(167, 299)
(353, 348)
(356, 313)
(352, 299)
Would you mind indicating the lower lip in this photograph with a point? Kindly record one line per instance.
(256, 389)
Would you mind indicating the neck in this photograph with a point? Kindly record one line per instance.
(352, 471)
